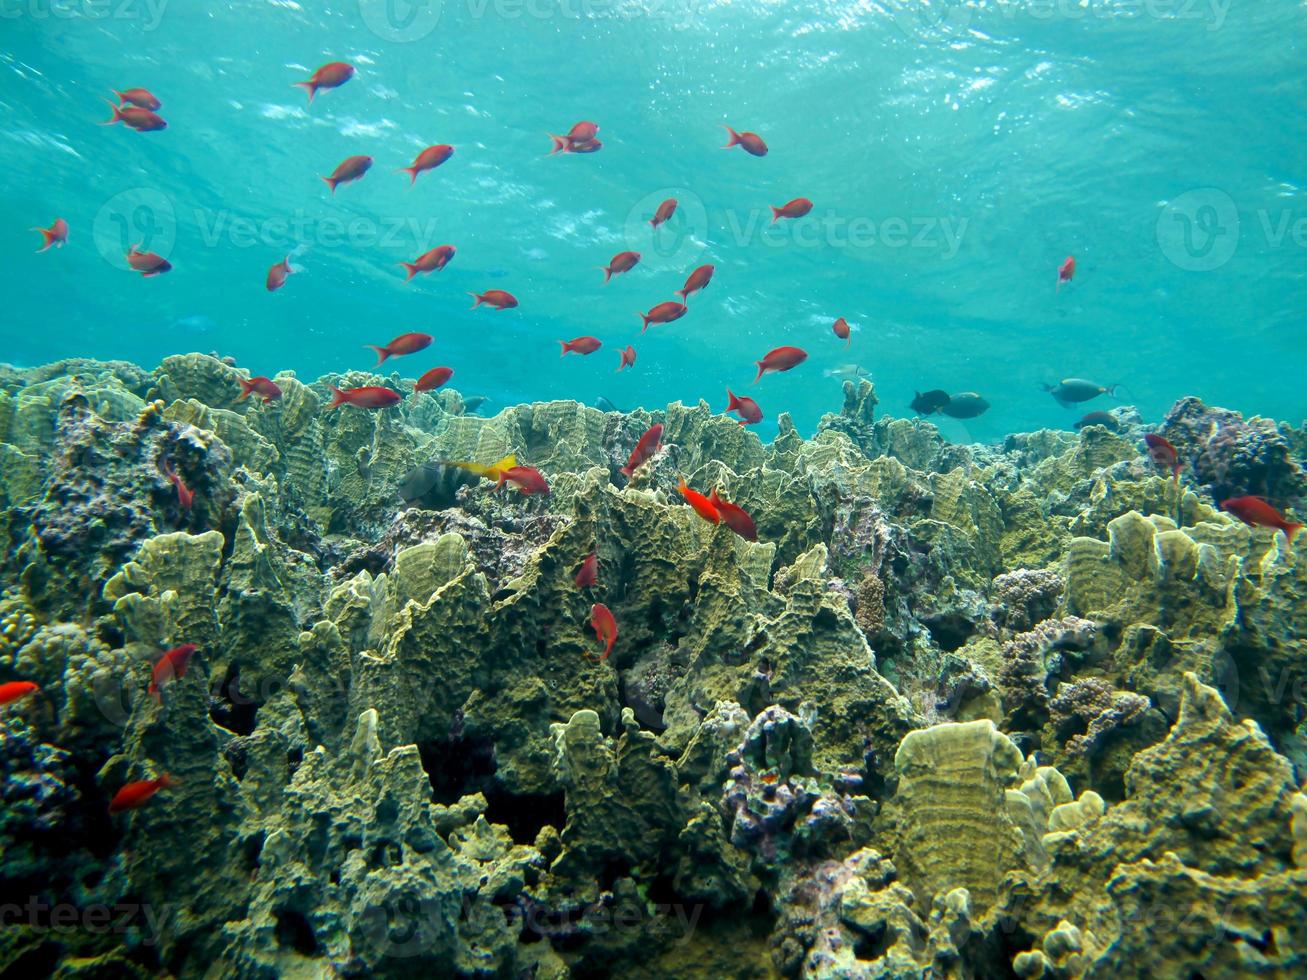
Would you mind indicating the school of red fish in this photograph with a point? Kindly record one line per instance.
(138, 109)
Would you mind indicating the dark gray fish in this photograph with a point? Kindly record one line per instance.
(604, 405)
(929, 402)
(432, 486)
(472, 402)
(965, 405)
(1071, 391)
(1106, 419)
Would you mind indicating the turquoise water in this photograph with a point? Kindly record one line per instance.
(956, 154)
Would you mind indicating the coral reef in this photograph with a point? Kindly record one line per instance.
(1026, 709)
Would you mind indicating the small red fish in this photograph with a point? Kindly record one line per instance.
(147, 263)
(781, 359)
(278, 274)
(428, 159)
(587, 576)
(736, 518)
(704, 507)
(138, 793)
(134, 117)
(433, 379)
(405, 343)
(172, 664)
(369, 397)
(331, 75)
(1256, 512)
(11, 691)
(185, 495)
(665, 211)
(793, 209)
(351, 168)
(266, 387)
(699, 279)
(582, 134)
(1161, 452)
(841, 328)
(55, 235)
(435, 260)
(621, 262)
(645, 449)
(498, 298)
(628, 357)
(1066, 271)
(664, 312)
(751, 142)
(139, 97)
(605, 627)
(750, 413)
(581, 345)
(528, 479)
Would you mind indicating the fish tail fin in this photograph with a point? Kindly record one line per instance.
(247, 389)
(382, 353)
(412, 174)
(338, 397)
(760, 370)
(848, 341)
(47, 236)
(566, 345)
(330, 182)
(479, 300)
(310, 87)
(681, 293)
(121, 98)
(117, 114)
(735, 137)
(560, 144)
(1290, 530)
(644, 320)
(608, 272)
(775, 213)
(411, 269)
(733, 402)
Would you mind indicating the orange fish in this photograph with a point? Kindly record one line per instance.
(1161, 452)
(55, 235)
(704, 507)
(645, 449)
(665, 211)
(1256, 512)
(621, 262)
(781, 359)
(351, 168)
(528, 479)
(147, 263)
(750, 413)
(278, 273)
(436, 259)
(794, 209)
(134, 117)
(498, 298)
(172, 664)
(259, 386)
(736, 518)
(587, 576)
(11, 691)
(331, 75)
(368, 397)
(605, 627)
(433, 379)
(138, 793)
(699, 279)
(628, 357)
(751, 142)
(428, 159)
(1066, 271)
(185, 495)
(405, 343)
(841, 328)
(581, 345)
(139, 97)
(582, 134)
(664, 312)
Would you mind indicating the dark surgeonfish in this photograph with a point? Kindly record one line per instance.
(965, 405)
(1106, 419)
(433, 486)
(472, 402)
(604, 405)
(929, 402)
(1071, 391)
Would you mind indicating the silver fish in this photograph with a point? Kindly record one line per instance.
(847, 372)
